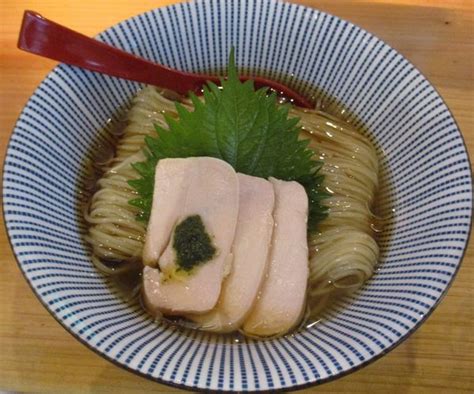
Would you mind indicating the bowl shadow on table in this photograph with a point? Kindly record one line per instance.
(125, 381)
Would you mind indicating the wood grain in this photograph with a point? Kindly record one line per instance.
(36, 354)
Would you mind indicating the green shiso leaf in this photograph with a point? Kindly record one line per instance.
(245, 127)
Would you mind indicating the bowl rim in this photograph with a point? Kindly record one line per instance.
(302, 386)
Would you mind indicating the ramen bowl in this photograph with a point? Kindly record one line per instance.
(426, 193)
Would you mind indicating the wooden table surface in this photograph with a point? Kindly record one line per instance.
(38, 355)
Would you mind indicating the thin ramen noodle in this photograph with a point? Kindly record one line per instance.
(343, 251)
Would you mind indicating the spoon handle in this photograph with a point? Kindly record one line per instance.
(46, 38)
(49, 39)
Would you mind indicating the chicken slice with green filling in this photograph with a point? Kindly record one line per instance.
(189, 235)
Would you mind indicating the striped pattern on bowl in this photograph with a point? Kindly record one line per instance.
(422, 154)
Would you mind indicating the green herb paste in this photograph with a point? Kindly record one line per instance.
(192, 244)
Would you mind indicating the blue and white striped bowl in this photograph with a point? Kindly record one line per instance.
(421, 150)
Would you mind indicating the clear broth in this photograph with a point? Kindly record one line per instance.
(127, 285)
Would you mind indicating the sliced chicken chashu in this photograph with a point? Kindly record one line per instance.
(169, 196)
(190, 234)
(250, 251)
(281, 302)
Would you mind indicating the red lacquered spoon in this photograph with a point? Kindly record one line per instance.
(48, 39)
